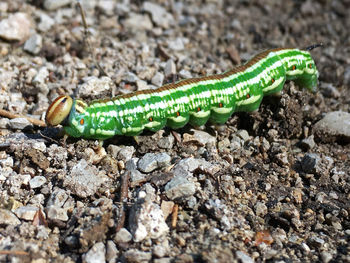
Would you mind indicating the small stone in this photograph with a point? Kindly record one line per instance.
(126, 153)
(243, 134)
(334, 126)
(160, 250)
(130, 77)
(309, 162)
(84, 179)
(15, 27)
(26, 212)
(95, 254)
(20, 124)
(166, 142)
(137, 256)
(308, 143)
(347, 75)
(37, 181)
(138, 22)
(199, 136)
(328, 90)
(158, 79)
(260, 209)
(55, 4)
(56, 213)
(177, 44)
(123, 236)
(147, 220)
(8, 218)
(41, 77)
(326, 257)
(111, 251)
(316, 242)
(243, 257)
(179, 187)
(4, 123)
(170, 68)
(94, 87)
(136, 178)
(185, 74)
(151, 161)
(167, 208)
(107, 7)
(33, 44)
(46, 22)
(159, 15)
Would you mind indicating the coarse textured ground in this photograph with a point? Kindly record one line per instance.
(266, 186)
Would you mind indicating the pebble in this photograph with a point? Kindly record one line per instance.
(136, 177)
(33, 44)
(107, 6)
(16, 27)
(26, 212)
(158, 79)
(137, 256)
(167, 208)
(41, 77)
(199, 136)
(326, 257)
(176, 45)
(57, 198)
(96, 254)
(37, 181)
(111, 251)
(126, 153)
(20, 124)
(46, 22)
(147, 220)
(185, 74)
(328, 90)
(55, 4)
(309, 162)
(347, 75)
(138, 22)
(170, 68)
(151, 161)
(308, 143)
(166, 142)
(94, 86)
(159, 15)
(123, 236)
(243, 257)
(8, 218)
(243, 134)
(179, 187)
(56, 213)
(83, 179)
(334, 125)
(261, 209)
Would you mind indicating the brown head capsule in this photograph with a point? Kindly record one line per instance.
(58, 110)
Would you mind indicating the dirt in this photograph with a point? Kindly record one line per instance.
(263, 187)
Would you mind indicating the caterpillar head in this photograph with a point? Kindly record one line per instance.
(59, 110)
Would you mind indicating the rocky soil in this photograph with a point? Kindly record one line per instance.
(272, 185)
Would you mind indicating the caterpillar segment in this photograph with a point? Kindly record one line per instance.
(198, 100)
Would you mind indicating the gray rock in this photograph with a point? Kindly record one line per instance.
(159, 15)
(308, 143)
(309, 162)
(260, 209)
(243, 134)
(15, 27)
(46, 22)
(147, 221)
(151, 161)
(57, 198)
(94, 86)
(8, 218)
(56, 213)
(126, 153)
(84, 180)
(158, 79)
(334, 126)
(41, 77)
(96, 254)
(326, 256)
(179, 187)
(123, 236)
(26, 212)
(33, 44)
(37, 181)
(130, 77)
(166, 142)
(137, 256)
(131, 164)
(137, 22)
(185, 74)
(347, 75)
(20, 124)
(4, 123)
(111, 251)
(243, 257)
(170, 68)
(177, 44)
(136, 177)
(107, 6)
(199, 136)
(328, 90)
(55, 4)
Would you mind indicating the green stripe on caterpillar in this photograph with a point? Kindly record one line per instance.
(196, 100)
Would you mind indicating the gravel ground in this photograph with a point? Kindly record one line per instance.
(272, 185)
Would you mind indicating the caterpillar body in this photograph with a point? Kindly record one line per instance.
(196, 100)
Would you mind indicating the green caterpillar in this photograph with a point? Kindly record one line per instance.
(195, 100)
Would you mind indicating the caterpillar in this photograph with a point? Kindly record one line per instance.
(197, 100)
